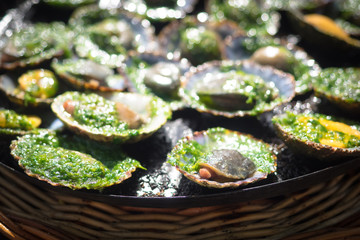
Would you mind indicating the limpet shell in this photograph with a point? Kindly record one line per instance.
(46, 41)
(310, 147)
(243, 47)
(284, 82)
(154, 110)
(20, 124)
(57, 158)
(85, 74)
(136, 69)
(10, 87)
(340, 86)
(170, 38)
(144, 33)
(323, 33)
(255, 17)
(191, 150)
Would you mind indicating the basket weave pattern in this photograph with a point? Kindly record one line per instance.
(329, 210)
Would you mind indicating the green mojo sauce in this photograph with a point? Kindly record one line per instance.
(93, 114)
(97, 112)
(72, 161)
(339, 82)
(41, 41)
(264, 95)
(253, 86)
(189, 153)
(13, 120)
(320, 129)
(200, 45)
(248, 14)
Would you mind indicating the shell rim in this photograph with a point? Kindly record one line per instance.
(257, 176)
(14, 146)
(300, 18)
(20, 100)
(148, 30)
(57, 108)
(240, 113)
(287, 136)
(175, 105)
(78, 82)
(174, 26)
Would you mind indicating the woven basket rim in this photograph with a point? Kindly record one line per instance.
(249, 193)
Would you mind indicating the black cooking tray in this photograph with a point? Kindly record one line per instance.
(161, 186)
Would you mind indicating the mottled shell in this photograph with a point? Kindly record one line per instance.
(153, 109)
(62, 161)
(228, 164)
(184, 156)
(283, 82)
(311, 149)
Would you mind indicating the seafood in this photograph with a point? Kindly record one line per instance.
(14, 124)
(281, 54)
(278, 57)
(116, 28)
(323, 33)
(163, 78)
(58, 159)
(112, 118)
(35, 44)
(255, 17)
(236, 88)
(106, 35)
(317, 135)
(151, 73)
(100, 48)
(87, 74)
(35, 88)
(225, 165)
(198, 41)
(199, 44)
(234, 91)
(159, 10)
(340, 86)
(222, 158)
(40, 83)
(294, 61)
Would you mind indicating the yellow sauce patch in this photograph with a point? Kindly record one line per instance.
(332, 143)
(35, 121)
(2, 120)
(339, 127)
(304, 119)
(326, 24)
(335, 127)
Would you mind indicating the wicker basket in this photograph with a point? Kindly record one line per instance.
(328, 210)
